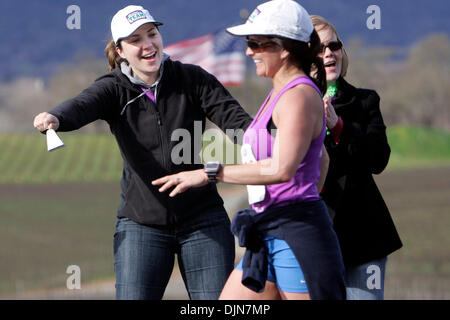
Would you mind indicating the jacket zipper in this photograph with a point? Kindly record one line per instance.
(172, 219)
(161, 139)
(161, 133)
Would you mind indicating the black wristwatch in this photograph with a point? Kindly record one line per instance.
(212, 169)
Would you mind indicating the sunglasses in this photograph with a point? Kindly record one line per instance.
(259, 46)
(333, 46)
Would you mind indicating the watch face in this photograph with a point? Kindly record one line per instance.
(212, 167)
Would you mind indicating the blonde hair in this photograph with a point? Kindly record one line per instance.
(320, 23)
(114, 59)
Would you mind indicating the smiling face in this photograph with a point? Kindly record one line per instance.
(332, 60)
(267, 58)
(143, 49)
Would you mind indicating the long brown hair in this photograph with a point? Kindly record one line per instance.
(114, 59)
(305, 56)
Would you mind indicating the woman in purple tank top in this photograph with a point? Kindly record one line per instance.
(292, 250)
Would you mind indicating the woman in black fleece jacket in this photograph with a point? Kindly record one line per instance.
(358, 147)
(145, 99)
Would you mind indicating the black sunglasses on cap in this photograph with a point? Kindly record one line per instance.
(333, 46)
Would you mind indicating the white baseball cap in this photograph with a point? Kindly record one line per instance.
(128, 20)
(283, 18)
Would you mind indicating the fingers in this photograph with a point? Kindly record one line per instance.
(178, 189)
(40, 122)
(181, 181)
(169, 181)
(332, 117)
(160, 181)
(44, 121)
(37, 121)
(165, 183)
(329, 109)
(326, 104)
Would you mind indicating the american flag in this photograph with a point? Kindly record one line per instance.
(218, 53)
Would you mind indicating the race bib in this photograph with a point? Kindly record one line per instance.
(256, 193)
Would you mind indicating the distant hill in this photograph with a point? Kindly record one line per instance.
(36, 39)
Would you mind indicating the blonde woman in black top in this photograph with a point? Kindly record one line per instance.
(358, 147)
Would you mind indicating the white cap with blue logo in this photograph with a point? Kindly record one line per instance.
(283, 18)
(128, 20)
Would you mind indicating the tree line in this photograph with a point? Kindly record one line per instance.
(414, 88)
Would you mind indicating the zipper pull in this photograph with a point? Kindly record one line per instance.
(159, 119)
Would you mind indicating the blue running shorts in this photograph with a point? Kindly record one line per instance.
(283, 267)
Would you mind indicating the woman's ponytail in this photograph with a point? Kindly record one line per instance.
(114, 59)
(319, 73)
(305, 56)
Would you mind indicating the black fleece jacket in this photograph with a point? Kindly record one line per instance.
(185, 94)
(362, 220)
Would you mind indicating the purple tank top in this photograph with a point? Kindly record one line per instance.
(303, 186)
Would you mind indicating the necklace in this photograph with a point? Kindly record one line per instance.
(331, 92)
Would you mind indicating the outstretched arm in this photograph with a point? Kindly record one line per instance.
(97, 101)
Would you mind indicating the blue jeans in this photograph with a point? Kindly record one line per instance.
(144, 256)
(366, 281)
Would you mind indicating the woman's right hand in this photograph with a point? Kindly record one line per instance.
(182, 181)
(332, 117)
(45, 120)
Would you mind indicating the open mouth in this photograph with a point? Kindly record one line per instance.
(149, 56)
(330, 64)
